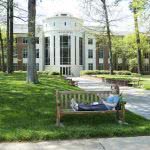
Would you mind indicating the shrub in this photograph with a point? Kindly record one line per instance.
(55, 73)
(119, 78)
(122, 72)
(43, 72)
(96, 72)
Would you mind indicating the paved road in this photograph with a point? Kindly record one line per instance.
(130, 143)
(138, 100)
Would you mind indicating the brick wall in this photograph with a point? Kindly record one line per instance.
(20, 46)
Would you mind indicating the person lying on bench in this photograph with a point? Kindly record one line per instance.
(109, 104)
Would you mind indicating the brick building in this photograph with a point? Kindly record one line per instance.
(64, 45)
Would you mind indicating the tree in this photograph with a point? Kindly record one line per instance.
(137, 7)
(2, 51)
(31, 67)
(126, 48)
(119, 50)
(108, 35)
(10, 38)
(101, 12)
(7, 6)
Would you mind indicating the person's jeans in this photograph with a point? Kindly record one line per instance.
(89, 107)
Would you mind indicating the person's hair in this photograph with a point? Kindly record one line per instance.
(115, 89)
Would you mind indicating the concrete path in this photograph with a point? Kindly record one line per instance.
(129, 143)
(138, 100)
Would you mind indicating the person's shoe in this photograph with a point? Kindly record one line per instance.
(74, 105)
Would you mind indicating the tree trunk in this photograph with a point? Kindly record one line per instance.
(115, 62)
(124, 63)
(8, 42)
(137, 41)
(2, 49)
(109, 36)
(10, 36)
(31, 67)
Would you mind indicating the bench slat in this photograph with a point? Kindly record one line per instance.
(82, 92)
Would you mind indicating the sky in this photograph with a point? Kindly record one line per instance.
(47, 8)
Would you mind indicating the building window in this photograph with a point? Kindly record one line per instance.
(75, 50)
(65, 50)
(101, 53)
(15, 53)
(37, 66)
(146, 55)
(101, 66)
(47, 53)
(65, 23)
(37, 53)
(54, 50)
(37, 40)
(65, 70)
(90, 53)
(25, 53)
(81, 51)
(16, 40)
(24, 67)
(119, 67)
(63, 14)
(90, 41)
(146, 68)
(90, 66)
(15, 66)
(25, 40)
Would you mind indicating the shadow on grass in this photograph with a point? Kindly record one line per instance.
(27, 112)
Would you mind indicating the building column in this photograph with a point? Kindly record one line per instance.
(72, 50)
(77, 50)
(94, 54)
(57, 49)
(51, 49)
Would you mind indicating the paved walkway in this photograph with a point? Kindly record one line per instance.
(130, 143)
(138, 100)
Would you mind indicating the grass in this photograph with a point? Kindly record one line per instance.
(144, 79)
(27, 113)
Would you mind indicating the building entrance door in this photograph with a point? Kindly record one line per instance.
(65, 71)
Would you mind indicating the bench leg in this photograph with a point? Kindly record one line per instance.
(117, 115)
(122, 118)
(123, 114)
(58, 116)
(58, 121)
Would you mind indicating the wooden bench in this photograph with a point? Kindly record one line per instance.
(63, 101)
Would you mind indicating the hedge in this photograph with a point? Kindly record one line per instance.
(96, 72)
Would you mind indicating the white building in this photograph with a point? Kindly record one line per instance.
(64, 45)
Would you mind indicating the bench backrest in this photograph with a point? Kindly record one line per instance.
(63, 98)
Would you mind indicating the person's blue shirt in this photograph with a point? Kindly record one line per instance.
(114, 99)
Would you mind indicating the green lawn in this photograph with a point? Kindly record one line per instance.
(146, 82)
(27, 113)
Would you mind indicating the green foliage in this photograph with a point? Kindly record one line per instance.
(126, 47)
(28, 113)
(55, 73)
(133, 64)
(123, 72)
(96, 72)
